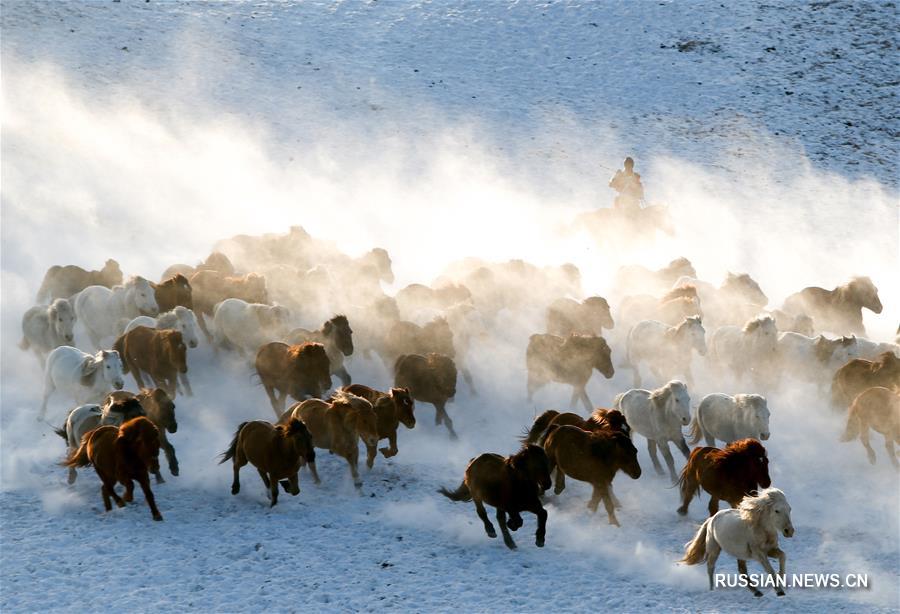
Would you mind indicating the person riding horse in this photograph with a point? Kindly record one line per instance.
(628, 185)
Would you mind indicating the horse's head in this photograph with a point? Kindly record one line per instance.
(680, 267)
(187, 325)
(755, 410)
(778, 511)
(756, 457)
(62, 319)
(612, 419)
(675, 400)
(144, 296)
(626, 455)
(296, 431)
(175, 350)
(126, 408)
(112, 274)
(532, 461)
(440, 335)
(746, 288)
(763, 332)
(594, 349)
(163, 408)
(598, 311)
(141, 437)
(381, 260)
(887, 363)
(691, 328)
(109, 364)
(404, 405)
(338, 328)
(865, 293)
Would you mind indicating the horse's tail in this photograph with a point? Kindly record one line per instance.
(79, 458)
(695, 550)
(61, 431)
(853, 427)
(689, 482)
(232, 447)
(696, 430)
(536, 434)
(119, 346)
(460, 494)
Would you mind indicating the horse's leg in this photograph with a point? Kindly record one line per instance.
(445, 417)
(636, 375)
(104, 491)
(778, 553)
(541, 514)
(507, 538)
(270, 392)
(186, 384)
(144, 481)
(764, 561)
(586, 400)
(239, 461)
(264, 476)
(889, 446)
(128, 497)
(391, 450)
(344, 376)
(482, 513)
(608, 504)
(353, 460)
(169, 450)
(371, 453)
(864, 438)
(616, 503)
(314, 472)
(467, 377)
(682, 445)
(49, 387)
(713, 505)
(651, 448)
(272, 483)
(670, 462)
(742, 571)
(201, 322)
(515, 521)
(73, 475)
(594, 501)
(560, 482)
(136, 373)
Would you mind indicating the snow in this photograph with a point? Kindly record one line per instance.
(147, 131)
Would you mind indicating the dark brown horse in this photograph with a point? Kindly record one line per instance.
(296, 370)
(172, 292)
(600, 419)
(161, 354)
(391, 409)
(570, 360)
(729, 474)
(838, 310)
(429, 379)
(512, 484)
(121, 454)
(160, 409)
(277, 452)
(593, 457)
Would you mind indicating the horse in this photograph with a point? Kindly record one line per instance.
(875, 408)
(429, 379)
(296, 370)
(246, 326)
(173, 292)
(100, 309)
(658, 415)
(391, 409)
(277, 452)
(180, 318)
(838, 310)
(859, 374)
(570, 360)
(752, 349)
(511, 484)
(671, 308)
(66, 281)
(748, 532)
(336, 425)
(567, 316)
(337, 337)
(666, 349)
(86, 418)
(735, 301)
(160, 354)
(80, 376)
(593, 457)
(600, 419)
(121, 454)
(638, 278)
(160, 410)
(46, 327)
(728, 418)
(408, 338)
(211, 287)
(729, 474)
(814, 359)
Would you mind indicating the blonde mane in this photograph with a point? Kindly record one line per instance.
(756, 510)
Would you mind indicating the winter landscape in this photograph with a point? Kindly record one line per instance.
(474, 142)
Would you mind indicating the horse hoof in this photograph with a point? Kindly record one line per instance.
(539, 543)
(682, 511)
(492, 534)
(511, 545)
(174, 471)
(780, 593)
(157, 517)
(160, 480)
(235, 490)
(757, 594)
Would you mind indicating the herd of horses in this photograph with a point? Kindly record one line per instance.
(248, 296)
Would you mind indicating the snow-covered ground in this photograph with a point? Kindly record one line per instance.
(147, 131)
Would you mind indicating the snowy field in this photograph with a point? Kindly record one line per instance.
(147, 131)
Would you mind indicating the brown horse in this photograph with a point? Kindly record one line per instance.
(879, 409)
(160, 409)
(729, 474)
(838, 310)
(337, 337)
(860, 374)
(391, 409)
(512, 484)
(566, 316)
(65, 281)
(172, 292)
(593, 457)
(337, 425)
(570, 360)
(296, 370)
(429, 379)
(121, 454)
(277, 452)
(161, 354)
(600, 418)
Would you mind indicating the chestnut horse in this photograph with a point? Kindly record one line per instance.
(593, 457)
(277, 452)
(173, 292)
(730, 474)
(160, 409)
(512, 484)
(876, 408)
(121, 454)
(391, 409)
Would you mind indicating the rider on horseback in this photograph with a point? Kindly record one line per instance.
(628, 185)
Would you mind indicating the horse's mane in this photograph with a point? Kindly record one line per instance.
(339, 320)
(661, 394)
(756, 322)
(293, 427)
(753, 509)
(682, 291)
(342, 397)
(688, 321)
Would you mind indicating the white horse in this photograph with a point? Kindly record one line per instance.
(86, 418)
(80, 376)
(870, 350)
(666, 349)
(46, 327)
(753, 348)
(246, 326)
(748, 532)
(658, 415)
(814, 359)
(728, 418)
(100, 309)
